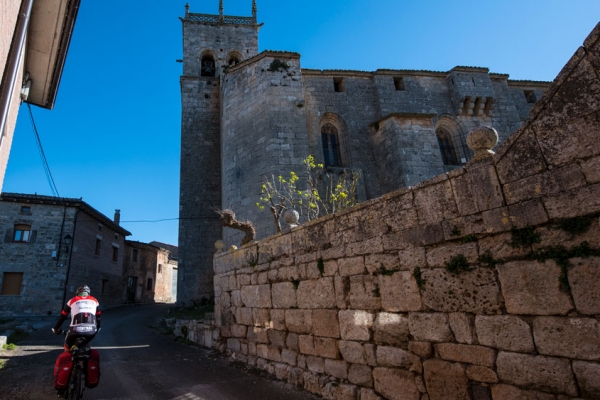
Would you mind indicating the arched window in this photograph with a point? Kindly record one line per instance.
(207, 67)
(331, 145)
(446, 147)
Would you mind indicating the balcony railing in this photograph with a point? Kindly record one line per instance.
(215, 19)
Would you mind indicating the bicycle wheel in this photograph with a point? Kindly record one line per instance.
(78, 385)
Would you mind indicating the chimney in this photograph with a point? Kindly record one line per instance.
(117, 218)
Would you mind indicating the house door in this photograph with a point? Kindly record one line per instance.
(131, 286)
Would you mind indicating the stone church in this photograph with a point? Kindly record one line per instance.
(248, 115)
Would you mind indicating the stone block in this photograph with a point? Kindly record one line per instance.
(306, 345)
(391, 329)
(498, 245)
(481, 374)
(588, 377)
(585, 284)
(510, 392)
(395, 384)
(273, 354)
(438, 256)
(374, 262)
(318, 293)
(536, 372)
(336, 368)
(402, 214)
(477, 355)
(369, 394)
(527, 213)
(504, 332)
(567, 337)
(462, 327)
(261, 317)
(370, 354)
(399, 292)
(236, 298)
(315, 364)
(591, 170)
(410, 258)
(476, 291)
(276, 338)
(430, 327)
(233, 345)
(364, 247)
(343, 391)
(422, 349)
(435, 203)
(289, 357)
(353, 352)
(360, 374)
(277, 319)
(530, 287)
(238, 331)
(351, 266)
(394, 357)
(257, 335)
(364, 293)
(284, 295)
(342, 287)
(243, 316)
(445, 380)
(291, 341)
(496, 220)
(523, 159)
(282, 371)
(355, 325)
(478, 190)
(256, 296)
(326, 347)
(325, 323)
(424, 235)
(262, 351)
(330, 267)
(298, 321)
(581, 201)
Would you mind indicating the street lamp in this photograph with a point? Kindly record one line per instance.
(68, 240)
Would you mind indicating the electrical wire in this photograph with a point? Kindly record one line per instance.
(45, 165)
(172, 219)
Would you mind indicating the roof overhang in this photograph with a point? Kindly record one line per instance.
(49, 36)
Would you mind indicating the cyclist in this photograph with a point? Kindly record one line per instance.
(85, 317)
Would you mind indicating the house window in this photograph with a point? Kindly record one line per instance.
(446, 147)
(26, 210)
(530, 96)
(134, 257)
(160, 268)
(11, 283)
(22, 233)
(399, 83)
(208, 66)
(149, 285)
(338, 85)
(104, 287)
(115, 253)
(98, 246)
(331, 148)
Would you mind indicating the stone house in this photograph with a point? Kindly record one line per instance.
(51, 246)
(247, 116)
(34, 41)
(148, 272)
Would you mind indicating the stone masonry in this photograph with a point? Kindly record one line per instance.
(479, 283)
(247, 116)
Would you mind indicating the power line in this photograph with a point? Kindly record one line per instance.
(169, 219)
(45, 165)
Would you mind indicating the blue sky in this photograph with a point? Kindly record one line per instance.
(113, 137)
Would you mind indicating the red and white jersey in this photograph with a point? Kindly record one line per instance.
(84, 310)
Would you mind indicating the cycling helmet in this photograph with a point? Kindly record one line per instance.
(83, 290)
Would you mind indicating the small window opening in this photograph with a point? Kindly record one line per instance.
(446, 147)
(338, 85)
(115, 254)
(11, 283)
(135, 255)
(207, 67)
(160, 268)
(149, 285)
(104, 287)
(530, 96)
(22, 233)
(399, 83)
(331, 148)
(25, 210)
(233, 61)
(98, 247)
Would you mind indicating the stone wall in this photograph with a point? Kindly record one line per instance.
(481, 283)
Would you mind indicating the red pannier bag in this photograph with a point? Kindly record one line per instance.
(92, 378)
(62, 369)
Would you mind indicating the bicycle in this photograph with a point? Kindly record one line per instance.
(80, 354)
